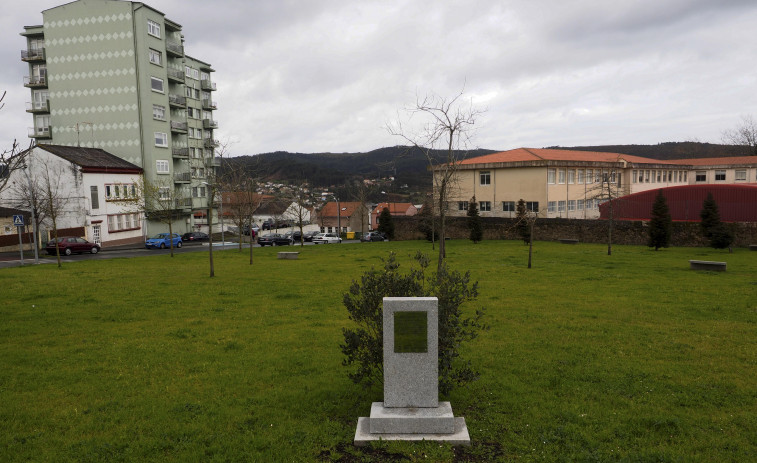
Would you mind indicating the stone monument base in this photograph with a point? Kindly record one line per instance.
(433, 424)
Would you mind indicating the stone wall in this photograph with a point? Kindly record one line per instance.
(586, 231)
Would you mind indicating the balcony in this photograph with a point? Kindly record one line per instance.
(179, 127)
(184, 203)
(208, 104)
(213, 162)
(205, 84)
(175, 74)
(33, 55)
(209, 124)
(180, 153)
(38, 106)
(177, 100)
(182, 177)
(40, 132)
(210, 143)
(174, 48)
(35, 81)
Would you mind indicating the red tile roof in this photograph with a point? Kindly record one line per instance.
(537, 154)
(717, 161)
(394, 208)
(347, 209)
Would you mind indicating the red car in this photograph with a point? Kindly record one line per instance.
(72, 244)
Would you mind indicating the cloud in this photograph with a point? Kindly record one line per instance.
(327, 76)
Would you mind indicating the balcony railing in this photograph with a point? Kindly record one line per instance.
(176, 74)
(40, 132)
(177, 100)
(213, 162)
(174, 48)
(205, 84)
(33, 55)
(209, 124)
(35, 81)
(182, 153)
(184, 203)
(182, 177)
(38, 106)
(210, 143)
(208, 104)
(177, 126)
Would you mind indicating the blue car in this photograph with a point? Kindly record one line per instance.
(163, 240)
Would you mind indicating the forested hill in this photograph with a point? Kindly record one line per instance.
(409, 165)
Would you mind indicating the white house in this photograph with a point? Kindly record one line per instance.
(92, 187)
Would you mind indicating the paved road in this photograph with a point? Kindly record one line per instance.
(11, 259)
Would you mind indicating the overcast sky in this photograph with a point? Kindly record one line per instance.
(316, 76)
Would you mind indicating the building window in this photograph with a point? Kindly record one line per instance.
(701, 176)
(532, 206)
(194, 191)
(720, 176)
(508, 206)
(156, 57)
(571, 176)
(485, 178)
(646, 176)
(560, 206)
(633, 177)
(552, 206)
(123, 222)
(164, 193)
(740, 175)
(161, 166)
(153, 28)
(202, 191)
(561, 176)
(94, 197)
(462, 205)
(161, 139)
(589, 176)
(659, 179)
(571, 205)
(551, 176)
(485, 206)
(580, 204)
(192, 73)
(158, 112)
(156, 84)
(580, 176)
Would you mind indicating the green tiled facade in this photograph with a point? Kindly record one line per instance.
(112, 74)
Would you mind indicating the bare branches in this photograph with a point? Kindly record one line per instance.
(11, 159)
(743, 135)
(447, 129)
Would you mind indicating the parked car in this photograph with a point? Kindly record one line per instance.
(308, 236)
(270, 225)
(163, 240)
(373, 236)
(294, 236)
(194, 236)
(326, 238)
(72, 244)
(274, 239)
(246, 230)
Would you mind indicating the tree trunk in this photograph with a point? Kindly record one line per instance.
(210, 241)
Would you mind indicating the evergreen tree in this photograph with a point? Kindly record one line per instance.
(386, 224)
(522, 226)
(661, 224)
(712, 228)
(710, 216)
(426, 220)
(474, 222)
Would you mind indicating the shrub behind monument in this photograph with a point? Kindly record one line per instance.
(363, 345)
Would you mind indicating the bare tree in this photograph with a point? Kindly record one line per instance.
(11, 159)
(608, 187)
(361, 193)
(447, 129)
(158, 200)
(53, 200)
(29, 196)
(745, 134)
(300, 209)
(240, 202)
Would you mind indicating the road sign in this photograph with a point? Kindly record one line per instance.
(18, 220)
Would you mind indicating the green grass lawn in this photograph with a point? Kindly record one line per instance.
(630, 357)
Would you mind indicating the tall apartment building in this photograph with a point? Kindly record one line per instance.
(113, 74)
